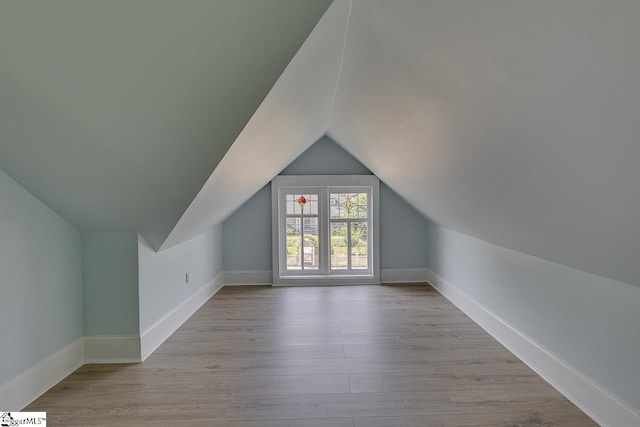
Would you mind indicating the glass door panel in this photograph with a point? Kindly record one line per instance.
(339, 246)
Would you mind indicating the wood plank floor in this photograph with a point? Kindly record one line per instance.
(342, 356)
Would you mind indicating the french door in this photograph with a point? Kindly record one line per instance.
(325, 232)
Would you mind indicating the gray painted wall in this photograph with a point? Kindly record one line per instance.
(247, 233)
(588, 321)
(110, 277)
(162, 284)
(40, 280)
(403, 233)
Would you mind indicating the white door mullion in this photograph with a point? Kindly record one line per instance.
(282, 220)
(301, 243)
(348, 245)
(324, 236)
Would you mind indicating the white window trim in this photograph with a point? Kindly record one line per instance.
(331, 182)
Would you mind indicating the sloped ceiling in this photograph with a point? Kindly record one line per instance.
(293, 116)
(517, 122)
(509, 120)
(114, 113)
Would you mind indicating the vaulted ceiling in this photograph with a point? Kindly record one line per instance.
(114, 113)
(512, 121)
(516, 122)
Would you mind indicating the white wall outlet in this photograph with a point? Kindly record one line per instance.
(186, 278)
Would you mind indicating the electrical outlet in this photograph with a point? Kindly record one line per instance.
(186, 278)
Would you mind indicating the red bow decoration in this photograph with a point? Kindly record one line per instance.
(302, 201)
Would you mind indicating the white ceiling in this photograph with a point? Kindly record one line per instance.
(509, 120)
(517, 122)
(114, 113)
(293, 116)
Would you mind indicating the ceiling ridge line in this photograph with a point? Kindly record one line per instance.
(339, 74)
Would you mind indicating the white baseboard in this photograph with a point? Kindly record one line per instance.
(28, 386)
(265, 277)
(596, 401)
(240, 277)
(156, 334)
(112, 349)
(404, 275)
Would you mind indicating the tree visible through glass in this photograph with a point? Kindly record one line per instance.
(302, 231)
(349, 234)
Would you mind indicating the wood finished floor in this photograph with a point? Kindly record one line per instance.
(345, 356)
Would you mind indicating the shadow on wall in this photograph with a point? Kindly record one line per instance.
(588, 322)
